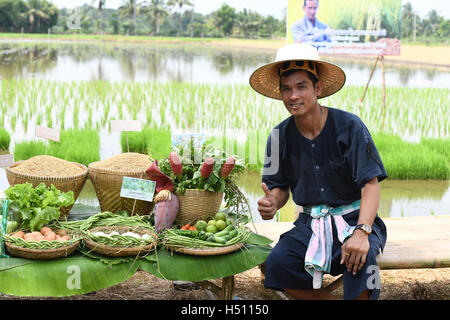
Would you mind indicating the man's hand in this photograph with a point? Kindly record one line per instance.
(267, 205)
(354, 251)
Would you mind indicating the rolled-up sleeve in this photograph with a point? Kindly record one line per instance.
(365, 161)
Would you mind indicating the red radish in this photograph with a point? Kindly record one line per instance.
(175, 163)
(207, 167)
(227, 167)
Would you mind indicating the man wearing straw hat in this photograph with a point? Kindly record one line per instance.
(327, 159)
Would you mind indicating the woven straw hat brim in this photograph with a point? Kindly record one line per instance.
(266, 81)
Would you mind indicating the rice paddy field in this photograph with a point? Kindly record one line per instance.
(412, 132)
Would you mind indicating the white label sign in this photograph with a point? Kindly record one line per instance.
(47, 133)
(136, 188)
(6, 160)
(126, 125)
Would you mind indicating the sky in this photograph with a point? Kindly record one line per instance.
(265, 7)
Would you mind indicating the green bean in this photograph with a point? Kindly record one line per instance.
(43, 244)
(173, 239)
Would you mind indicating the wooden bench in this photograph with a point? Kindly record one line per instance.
(413, 242)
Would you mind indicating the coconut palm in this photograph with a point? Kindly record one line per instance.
(36, 14)
(101, 6)
(180, 4)
(156, 10)
(130, 8)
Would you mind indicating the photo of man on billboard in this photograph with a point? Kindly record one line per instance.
(309, 28)
(370, 27)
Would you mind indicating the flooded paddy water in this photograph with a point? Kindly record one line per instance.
(197, 88)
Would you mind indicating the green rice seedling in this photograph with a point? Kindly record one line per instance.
(440, 146)
(408, 160)
(28, 149)
(133, 142)
(157, 143)
(77, 145)
(5, 139)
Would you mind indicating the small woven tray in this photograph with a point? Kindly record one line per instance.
(115, 251)
(42, 254)
(213, 251)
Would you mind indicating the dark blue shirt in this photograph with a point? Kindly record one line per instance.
(330, 169)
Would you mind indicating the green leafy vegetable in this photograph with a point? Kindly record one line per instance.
(35, 207)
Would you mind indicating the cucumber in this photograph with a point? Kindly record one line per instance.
(229, 228)
(221, 233)
(220, 240)
(211, 238)
(227, 237)
(233, 233)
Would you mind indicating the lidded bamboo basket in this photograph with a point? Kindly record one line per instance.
(107, 183)
(196, 204)
(73, 183)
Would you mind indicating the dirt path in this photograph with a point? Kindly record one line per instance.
(414, 284)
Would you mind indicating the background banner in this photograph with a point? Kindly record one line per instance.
(358, 27)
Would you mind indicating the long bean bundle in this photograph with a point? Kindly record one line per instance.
(106, 218)
(174, 239)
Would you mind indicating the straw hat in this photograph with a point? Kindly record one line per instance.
(266, 79)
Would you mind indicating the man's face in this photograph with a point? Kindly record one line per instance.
(311, 9)
(298, 93)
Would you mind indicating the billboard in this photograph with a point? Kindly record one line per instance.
(357, 27)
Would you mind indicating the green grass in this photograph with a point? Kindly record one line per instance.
(77, 145)
(28, 149)
(5, 139)
(81, 146)
(157, 143)
(408, 160)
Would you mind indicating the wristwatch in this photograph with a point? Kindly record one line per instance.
(365, 227)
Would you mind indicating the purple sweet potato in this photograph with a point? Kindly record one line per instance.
(165, 212)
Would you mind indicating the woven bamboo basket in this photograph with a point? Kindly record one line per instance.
(215, 251)
(116, 251)
(196, 204)
(42, 254)
(107, 184)
(65, 184)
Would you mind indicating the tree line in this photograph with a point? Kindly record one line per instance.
(176, 18)
(153, 17)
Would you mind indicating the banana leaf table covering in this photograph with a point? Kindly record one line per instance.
(85, 272)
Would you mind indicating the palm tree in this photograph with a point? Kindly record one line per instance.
(36, 14)
(156, 10)
(130, 8)
(101, 5)
(180, 4)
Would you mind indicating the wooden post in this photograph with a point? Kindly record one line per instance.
(367, 85)
(228, 288)
(384, 92)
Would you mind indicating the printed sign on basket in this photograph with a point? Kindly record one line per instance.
(140, 189)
